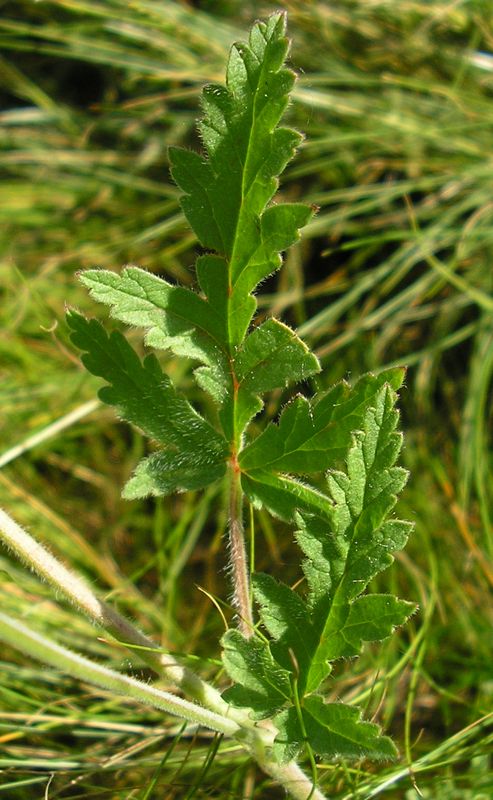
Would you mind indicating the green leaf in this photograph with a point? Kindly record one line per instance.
(284, 495)
(228, 201)
(309, 437)
(287, 619)
(262, 684)
(227, 194)
(356, 548)
(273, 356)
(175, 318)
(145, 396)
(166, 471)
(333, 730)
(312, 437)
(370, 618)
(344, 531)
(327, 560)
(345, 545)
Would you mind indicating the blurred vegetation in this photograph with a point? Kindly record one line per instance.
(395, 100)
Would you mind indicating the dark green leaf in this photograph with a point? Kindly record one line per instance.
(261, 684)
(145, 396)
(227, 193)
(348, 553)
(333, 730)
(347, 540)
(312, 437)
(287, 619)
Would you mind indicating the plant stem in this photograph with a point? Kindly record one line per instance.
(239, 560)
(20, 637)
(221, 717)
(77, 592)
(17, 635)
(293, 779)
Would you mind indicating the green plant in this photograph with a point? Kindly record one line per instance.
(278, 666)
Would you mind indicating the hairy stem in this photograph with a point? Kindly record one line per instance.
(17, 635)
(290, 776)
(293, 779)
(239, 560)
(221, 717)
(79, 593)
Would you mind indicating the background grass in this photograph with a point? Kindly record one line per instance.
(396, 103)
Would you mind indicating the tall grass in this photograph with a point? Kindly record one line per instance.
(395, 99)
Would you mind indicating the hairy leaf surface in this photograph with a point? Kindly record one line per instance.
(271, 357)
(262, 684)
(195, 453)
(227, 194)
(313, 436)
(309, 437)
(175, 318)
(344, 440)
(333, 730)
(344, 549)
(228, 200)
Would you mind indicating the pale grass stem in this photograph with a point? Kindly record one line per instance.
(17, 635)
(49, 431)
(78, 592)
(217, 715)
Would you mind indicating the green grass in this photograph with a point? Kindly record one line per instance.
(395, 268)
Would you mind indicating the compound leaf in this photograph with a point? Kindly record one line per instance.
(260, 682)
(363, 497)
(226, 194)
(333, 730)
(228, 201)
(345, 545)
(344, 530)
(145, 396)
